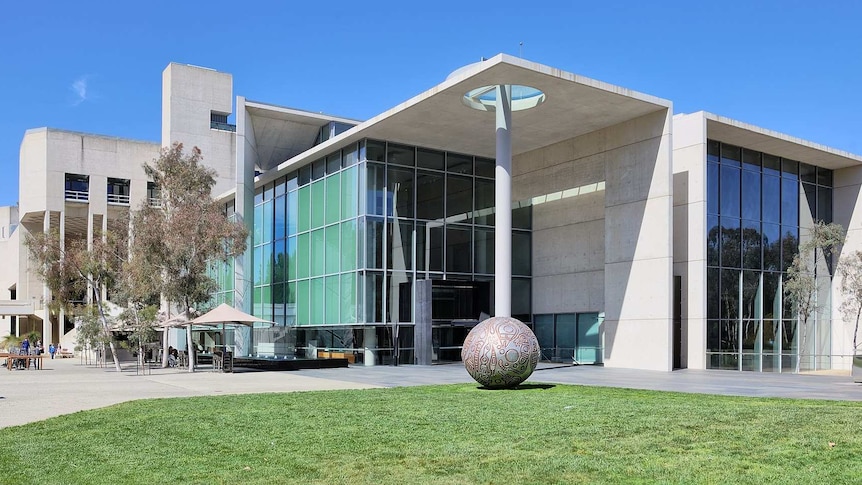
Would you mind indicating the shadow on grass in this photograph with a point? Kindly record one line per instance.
(521, 387)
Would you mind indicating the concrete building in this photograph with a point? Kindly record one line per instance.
(376, 239)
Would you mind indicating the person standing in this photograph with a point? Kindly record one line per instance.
(52, 350)
(25, 346)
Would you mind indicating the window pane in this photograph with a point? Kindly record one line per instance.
(712, 188)
(484, 203)
(400, 155)
(543, 327)
(374, 298)
(730, 155)
(750, 160)
(521, 297)
(484, 250)
(333, 249)
(348, 245)
(752, 295)
(729, 191)
(771, 164)
(565, 334)
(729, 294)
(280, 219)
(333, 162)
(790, 169)
(730, 242)
(824, 177)
(789, 202)
(713, 149)
(429, 246)
(824, 204)
(458, 250)
(333, 198)
(333, 302)
(522, 215)
(318, 169)
(729, 336)
(771, 199)
(375, 150)
(789, 246)
(456, 163)
(771, 296)
(485, 167)
(429, 195)
(808, 206)
(302, 305)
(400, 245)
(374, 243)
(521, 254)
(713, 336)
(429, 159)
(459, 198)
(351, 155)
(808, 173)
(304, 211)
(348, 298)
(318, 253)
(400, 192)
(279, 262)
(751, 195)
(751, 244)
(317, 299)
(712, 293)
(349, 205)
(303, 255)
(772, 247)
(375, 190)
(712, 240)
(317, 204)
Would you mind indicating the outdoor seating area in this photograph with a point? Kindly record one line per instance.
(22, 359)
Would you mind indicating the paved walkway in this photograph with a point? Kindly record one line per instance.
(67, 386)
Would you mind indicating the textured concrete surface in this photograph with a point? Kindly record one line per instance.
(66, 386)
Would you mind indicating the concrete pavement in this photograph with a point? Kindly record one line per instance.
(66, 386)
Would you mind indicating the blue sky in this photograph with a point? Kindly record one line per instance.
(95, 66)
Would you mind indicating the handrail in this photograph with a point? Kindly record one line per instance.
(78, 195)
(154, 201)
(118, 199)
(217, 125)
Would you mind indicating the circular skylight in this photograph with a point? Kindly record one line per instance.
(485, 98)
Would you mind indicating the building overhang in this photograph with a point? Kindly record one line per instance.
(734, 132)
(438, 118)
(17, 308)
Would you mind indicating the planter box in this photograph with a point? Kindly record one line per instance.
(857, 368)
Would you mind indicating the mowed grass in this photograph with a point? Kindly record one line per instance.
(444, 434)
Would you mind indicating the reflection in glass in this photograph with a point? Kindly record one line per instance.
(458, 249)
(751, 195)
(374, 243)
(730, 242)
(824, 204)
(751, 245)
(729, 294)
(521, 253)
(429, 246)
(400, 192)
(484, 213)
(712, 240)
(456, 163)
(771, 296)
(429, 195)
(459, 198)
(484, 251)
(400, 245)
(711, 188)
(432, 159)
(730, 190)
(400, 155)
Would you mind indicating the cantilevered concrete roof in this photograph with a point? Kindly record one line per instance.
(756, 138)
(437, 118)
(282, 133)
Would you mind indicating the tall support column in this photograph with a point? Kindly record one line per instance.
(89, 298)
(46, 292)
(503, 205)
(48, 338)
(104, 289)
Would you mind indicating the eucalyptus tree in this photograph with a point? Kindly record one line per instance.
(176, 240)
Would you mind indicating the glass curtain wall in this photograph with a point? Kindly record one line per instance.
(338, 244)
(758, 206)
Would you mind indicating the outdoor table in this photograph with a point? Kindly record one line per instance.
(11, 358)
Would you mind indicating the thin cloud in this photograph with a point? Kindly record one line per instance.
(79, 87)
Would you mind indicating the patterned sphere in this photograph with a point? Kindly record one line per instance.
(500, 352)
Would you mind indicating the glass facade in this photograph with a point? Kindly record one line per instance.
(338, 243)
(758, 207)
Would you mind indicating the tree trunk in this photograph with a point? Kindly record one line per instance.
(107, 329)
(189, 346)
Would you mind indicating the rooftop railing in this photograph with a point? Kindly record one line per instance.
(217, 125)
(77, 195)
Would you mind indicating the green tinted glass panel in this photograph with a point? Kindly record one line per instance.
(302, 314)
(267, 222)
(257, 234)
(349, 204)
(303, 255)
(332, 301)
(317, 204)
(257, 306)
(333, 256)
(333, 198)
(318, 253)
(303, 213)
(348, 298)
(317, 298)
(257, 265)
(290, 296)
(228, 298)
(348, 245)
(291, 258)
(292, 212)
(266, 265)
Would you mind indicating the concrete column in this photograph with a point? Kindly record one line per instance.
(503, 205)
(89, 298)
(46, 292)
(423, 345)
(370, 342)
(103, 289)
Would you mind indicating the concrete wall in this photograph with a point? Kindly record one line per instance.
(606, 250)
(189, 95)
(847, 211)
(689, 232)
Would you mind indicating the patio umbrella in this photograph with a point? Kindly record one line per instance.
(225, 314)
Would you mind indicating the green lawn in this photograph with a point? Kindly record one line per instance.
(444, 434)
